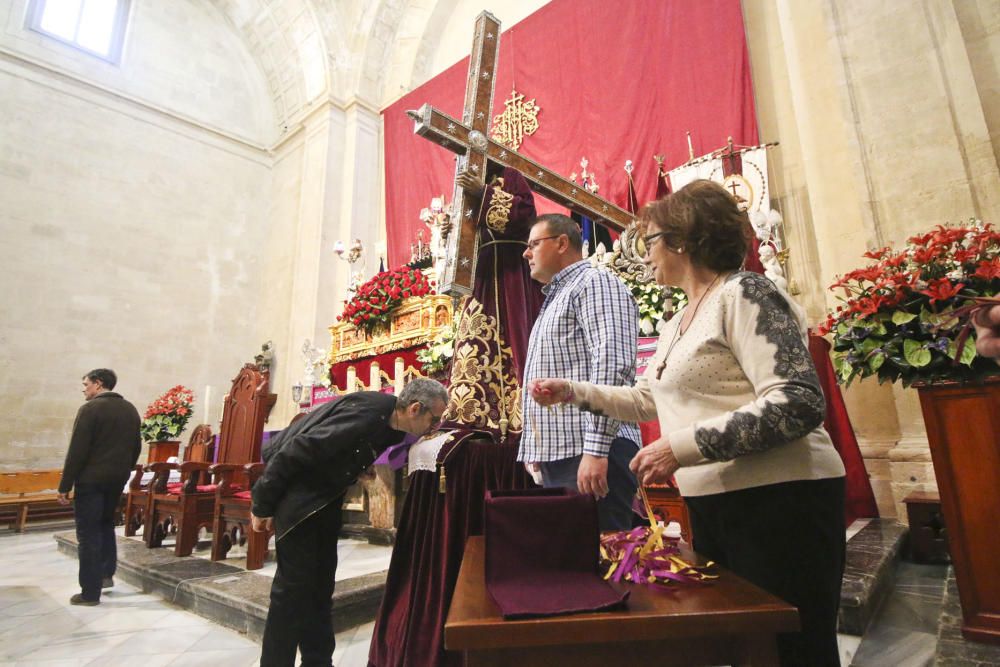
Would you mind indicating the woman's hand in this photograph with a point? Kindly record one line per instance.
(655, 463)
(549, 391)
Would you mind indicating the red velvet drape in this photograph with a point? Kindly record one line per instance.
(615, 81)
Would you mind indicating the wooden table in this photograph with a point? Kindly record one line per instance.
(728, 622)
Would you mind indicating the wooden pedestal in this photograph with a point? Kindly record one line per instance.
(963, 428)
(163, 450)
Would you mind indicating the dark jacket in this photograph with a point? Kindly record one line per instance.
(105, 443)
(313, 462)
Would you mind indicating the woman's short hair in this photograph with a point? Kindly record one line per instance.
(703, 219)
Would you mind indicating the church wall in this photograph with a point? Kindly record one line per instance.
(980, 24)
(819, 198)
(132, 239)
(278, 271)
(180, 56)
(894, 112)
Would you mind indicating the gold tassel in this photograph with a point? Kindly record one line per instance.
(442, 480)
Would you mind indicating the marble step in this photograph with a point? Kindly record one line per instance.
(869, 572)
(226, 594)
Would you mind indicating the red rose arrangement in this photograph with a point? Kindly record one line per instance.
(167, 416)
(905, 316)
(373, 303)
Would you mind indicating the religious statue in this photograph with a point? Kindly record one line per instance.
(266, 356)
(439, 226)
(313, 357)
(492, 329)
(772, 266)
(594, 235)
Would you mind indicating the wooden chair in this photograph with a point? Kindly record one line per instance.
(231, 521)
(200, 447)
(191, 505)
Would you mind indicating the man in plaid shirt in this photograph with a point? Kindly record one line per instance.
(587, 330)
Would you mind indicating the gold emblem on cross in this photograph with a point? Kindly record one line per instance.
(519, 118)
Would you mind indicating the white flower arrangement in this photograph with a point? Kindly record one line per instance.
(656, 304)
(437, 355)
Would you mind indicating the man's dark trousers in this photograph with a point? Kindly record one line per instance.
(94, 507)
(302, 593)
(614, 511)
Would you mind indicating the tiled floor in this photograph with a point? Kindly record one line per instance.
(38, 626)
(904, 631)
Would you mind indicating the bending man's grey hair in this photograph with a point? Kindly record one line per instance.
(423, 391)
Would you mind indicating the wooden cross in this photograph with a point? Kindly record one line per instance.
(469, 139)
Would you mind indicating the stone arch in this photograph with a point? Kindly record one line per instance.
(290, 46)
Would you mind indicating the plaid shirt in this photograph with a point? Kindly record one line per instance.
(586, 331)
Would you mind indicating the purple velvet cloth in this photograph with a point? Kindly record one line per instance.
(542, 549)
(433, 529)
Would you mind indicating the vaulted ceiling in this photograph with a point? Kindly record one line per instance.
(369, 51)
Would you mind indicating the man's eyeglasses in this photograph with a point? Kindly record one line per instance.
(532, 244)
(435, 419)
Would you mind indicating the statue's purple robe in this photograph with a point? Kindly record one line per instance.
(485, 412)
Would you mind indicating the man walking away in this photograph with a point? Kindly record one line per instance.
(102, 452)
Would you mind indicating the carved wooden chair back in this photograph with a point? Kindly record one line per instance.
(246, 408)
(201, 446)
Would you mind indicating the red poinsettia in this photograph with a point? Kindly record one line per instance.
(902, 316)
(373, 303)
(167, 416)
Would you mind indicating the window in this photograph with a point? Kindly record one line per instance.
(95, 26)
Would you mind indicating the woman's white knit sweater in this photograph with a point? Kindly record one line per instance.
(738, 398)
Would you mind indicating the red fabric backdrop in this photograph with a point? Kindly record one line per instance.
(614, 80)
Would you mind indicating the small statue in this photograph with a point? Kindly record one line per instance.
(439, 225)
(761, 226)
(313, 356)
(772, 267)
(266, 357)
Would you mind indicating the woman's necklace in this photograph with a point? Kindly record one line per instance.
(677, 331)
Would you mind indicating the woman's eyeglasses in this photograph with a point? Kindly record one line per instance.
(646, 242)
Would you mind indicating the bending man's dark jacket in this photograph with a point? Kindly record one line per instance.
(313, 462)
(105, 443)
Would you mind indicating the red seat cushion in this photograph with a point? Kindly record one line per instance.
(175, 489)
(243, 494)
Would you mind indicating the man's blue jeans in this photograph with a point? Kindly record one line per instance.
(614, 511)
(94, 506)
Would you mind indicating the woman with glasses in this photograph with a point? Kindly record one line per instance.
(740, 406)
